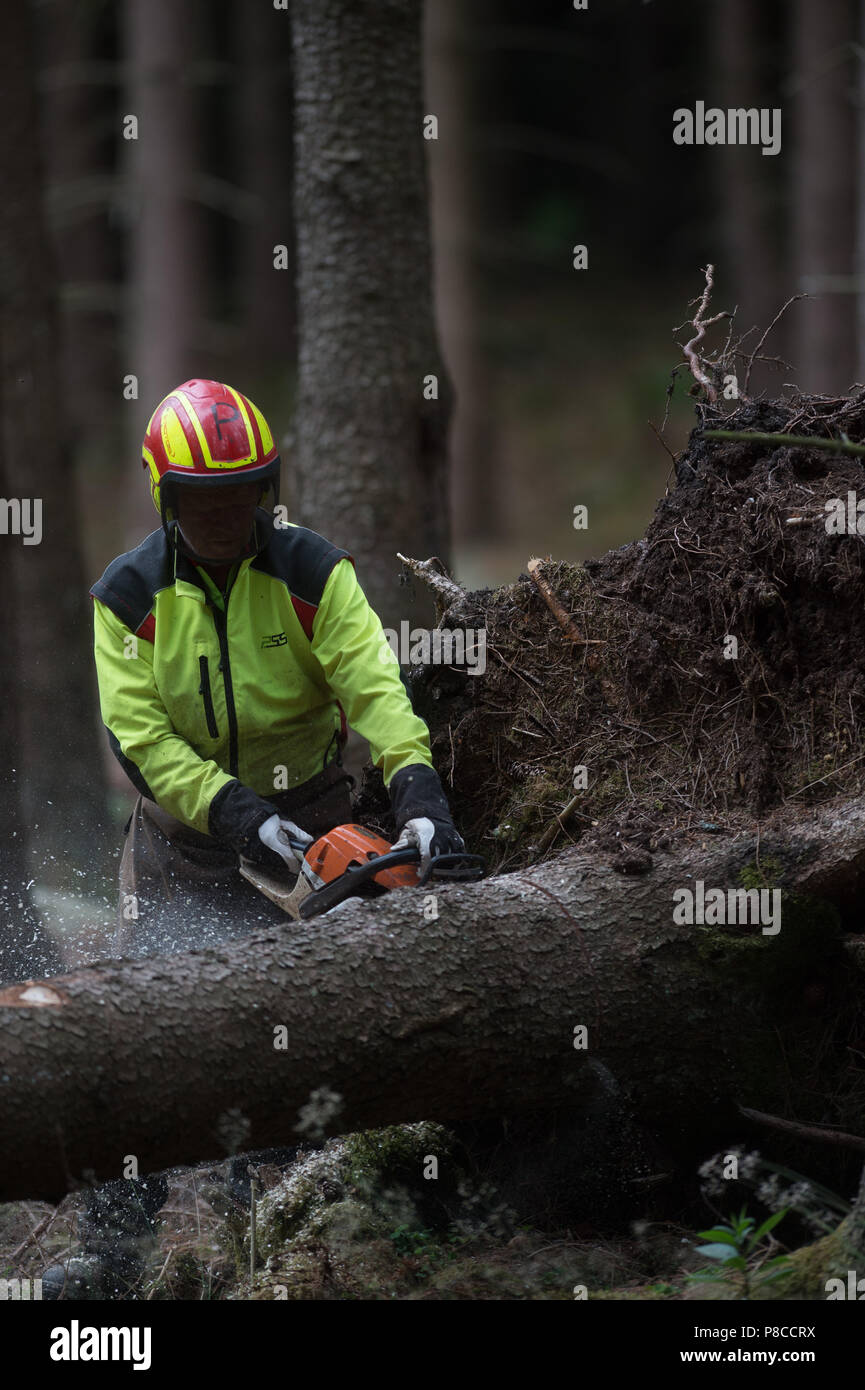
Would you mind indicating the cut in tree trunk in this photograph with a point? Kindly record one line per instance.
(470, 1013)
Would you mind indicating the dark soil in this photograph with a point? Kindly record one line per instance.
(676, 737)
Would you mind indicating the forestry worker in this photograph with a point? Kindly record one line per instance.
(231, 654)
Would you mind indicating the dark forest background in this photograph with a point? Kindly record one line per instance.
(154, 259)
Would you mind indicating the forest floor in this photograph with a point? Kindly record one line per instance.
(351, 1220)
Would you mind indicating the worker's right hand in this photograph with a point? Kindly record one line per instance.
(285, 839)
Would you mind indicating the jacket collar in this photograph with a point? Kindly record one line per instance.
(187, 579)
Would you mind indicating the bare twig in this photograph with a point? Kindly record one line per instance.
(558, 823)
(157, 1281)
(753, 356)
(34, 1235)
(700, 323)
(825, 778)
(661, 440)
(253, 1195)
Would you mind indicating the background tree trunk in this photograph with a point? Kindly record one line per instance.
(63, 791)
(824, 351)
(370, 449)
(747, 181)
(79, 116)
(470, 1014)
(165, 248)
(860, 198)
(456, 219)
(268, 313)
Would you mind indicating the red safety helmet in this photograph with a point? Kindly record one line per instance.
(203, 434)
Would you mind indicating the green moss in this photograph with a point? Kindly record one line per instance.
(828, 1258)
(766, 874)
(394, 1153)
(529, 808)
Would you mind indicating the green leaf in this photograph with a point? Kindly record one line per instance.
(768, 1225)
(724, 1253)
(719, 1233)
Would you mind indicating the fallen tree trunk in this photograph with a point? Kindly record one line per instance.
(175, 1059)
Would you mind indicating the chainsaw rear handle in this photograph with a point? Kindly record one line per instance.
(459, 867)
(444, 866)
(454, 868)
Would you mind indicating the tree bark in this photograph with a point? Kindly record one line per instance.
(469, 1014)
(370, 449)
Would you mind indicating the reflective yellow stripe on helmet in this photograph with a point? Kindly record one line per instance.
(196, 425)
(264, 429)
(250, 437)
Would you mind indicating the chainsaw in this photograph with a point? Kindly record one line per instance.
(351, 861)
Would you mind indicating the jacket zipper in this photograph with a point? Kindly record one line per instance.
(221, 620)
(204, 690)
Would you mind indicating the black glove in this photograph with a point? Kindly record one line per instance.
(422, 813)
(235, 815)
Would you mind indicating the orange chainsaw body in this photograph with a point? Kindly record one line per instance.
(347, 845)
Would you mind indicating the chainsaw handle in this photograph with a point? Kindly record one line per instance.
(454, 868)
(320, 899)
(442, 866)
(457, 868)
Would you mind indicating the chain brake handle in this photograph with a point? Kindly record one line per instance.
(454, 868)
(441, 866)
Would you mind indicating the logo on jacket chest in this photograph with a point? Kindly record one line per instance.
(276, 639)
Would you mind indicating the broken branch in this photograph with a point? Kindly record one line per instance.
(824, 1136)
(565, 622)
(431, 572)
(700, 323)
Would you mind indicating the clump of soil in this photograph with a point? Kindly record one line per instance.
(679, 728)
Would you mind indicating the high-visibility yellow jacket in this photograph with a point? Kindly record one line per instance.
(195, 693)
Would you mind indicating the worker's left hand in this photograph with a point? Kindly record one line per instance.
(285, 839)
(430, 837)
